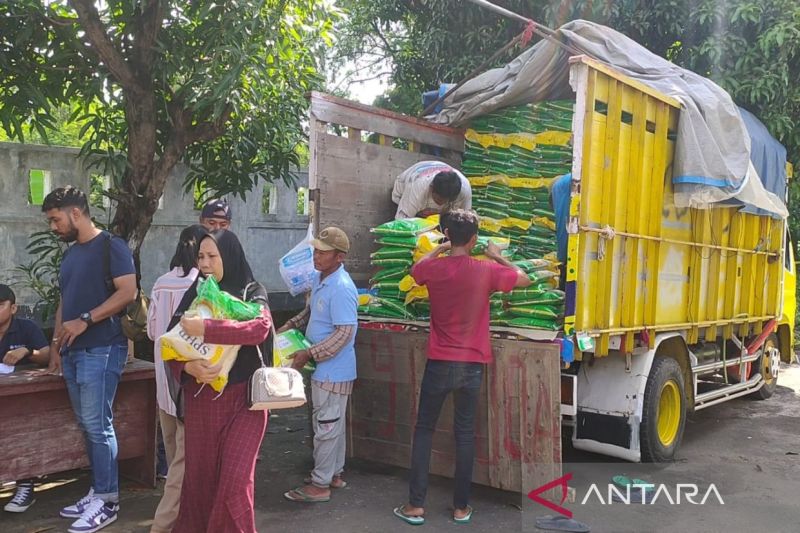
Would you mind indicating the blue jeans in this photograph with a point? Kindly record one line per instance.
(92, 376)
(440, 379)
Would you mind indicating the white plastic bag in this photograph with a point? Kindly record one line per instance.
(297, 266)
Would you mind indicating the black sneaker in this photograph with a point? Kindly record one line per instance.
(22, 499)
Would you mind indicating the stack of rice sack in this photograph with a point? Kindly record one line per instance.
(511, 158)
(518, 209)
(400, 243)
(541, 305)
(394, 293)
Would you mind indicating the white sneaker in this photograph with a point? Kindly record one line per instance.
(76, 510)
(21, 500)
(97, 515)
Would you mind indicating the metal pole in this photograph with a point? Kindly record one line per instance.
(501, 10)
(542, 31)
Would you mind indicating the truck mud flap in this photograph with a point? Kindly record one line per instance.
(609, 429)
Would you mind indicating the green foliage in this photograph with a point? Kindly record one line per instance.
(64, 133)
(301, 200)
(148, 83)
(41, 273)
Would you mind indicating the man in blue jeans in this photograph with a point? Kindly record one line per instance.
(97, 281)
(459, 287)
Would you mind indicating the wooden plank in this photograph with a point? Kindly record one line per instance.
(617, 75)
(328, 108)
(384, 403)
(355, 181)
(540, 421)
(48, 423)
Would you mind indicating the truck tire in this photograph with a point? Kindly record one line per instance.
(763, 366)
(664, 411)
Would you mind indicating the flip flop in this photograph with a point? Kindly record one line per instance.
(466, 519)
(408, 519)
(299, 495)
(336, 482)
(625, 481)
(561, 523)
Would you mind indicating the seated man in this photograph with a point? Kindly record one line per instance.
(21, 342)
(428, 188)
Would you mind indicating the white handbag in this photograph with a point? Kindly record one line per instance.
(275, 388)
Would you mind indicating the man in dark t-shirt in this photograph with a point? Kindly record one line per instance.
(21, 342)
(97, 281)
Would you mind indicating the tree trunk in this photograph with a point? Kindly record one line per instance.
(134, 216)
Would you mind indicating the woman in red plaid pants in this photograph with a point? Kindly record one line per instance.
(222, 435)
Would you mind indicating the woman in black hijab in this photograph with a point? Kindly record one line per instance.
(222, 435)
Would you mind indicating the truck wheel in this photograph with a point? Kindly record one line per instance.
(664, 412)
(767, 365)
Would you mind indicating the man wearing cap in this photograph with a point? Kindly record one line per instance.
(330, 319)
(216, 214)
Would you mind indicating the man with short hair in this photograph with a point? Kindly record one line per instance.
(97, 279)
(459, 287)
(216, 214)
(429, 188)
(21, 342)
(332, 319)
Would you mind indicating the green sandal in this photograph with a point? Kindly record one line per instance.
(466, 518)
(407, 518)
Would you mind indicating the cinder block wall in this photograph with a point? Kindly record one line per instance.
(265, 236)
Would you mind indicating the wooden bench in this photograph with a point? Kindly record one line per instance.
(39, 433)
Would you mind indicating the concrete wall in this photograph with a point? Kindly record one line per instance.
(265, 237)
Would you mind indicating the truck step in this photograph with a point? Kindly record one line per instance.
(717, 365)
(727, 392)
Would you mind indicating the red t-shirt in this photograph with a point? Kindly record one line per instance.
(459, 289)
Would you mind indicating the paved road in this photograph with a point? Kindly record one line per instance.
(747, 449)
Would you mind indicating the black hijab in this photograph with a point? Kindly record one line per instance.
(237, 274)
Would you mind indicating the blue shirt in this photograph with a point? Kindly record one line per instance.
(560, 194)
(22, 332)
(334, 302)
(82, 280)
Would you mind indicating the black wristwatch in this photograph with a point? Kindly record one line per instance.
(87, 317)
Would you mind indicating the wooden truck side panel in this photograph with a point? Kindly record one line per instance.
(637, 263)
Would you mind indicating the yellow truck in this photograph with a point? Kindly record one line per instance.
(672, 309)
(676, 309)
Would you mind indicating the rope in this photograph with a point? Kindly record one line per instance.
(606, 234)
(527, 35)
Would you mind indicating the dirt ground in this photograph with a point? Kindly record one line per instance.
(747, 449)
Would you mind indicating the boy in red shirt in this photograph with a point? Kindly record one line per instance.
(458, 348)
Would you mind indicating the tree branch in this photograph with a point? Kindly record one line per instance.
(102, 45)
(377, 76)
(147, 32)
(383, 39)
(208, 131)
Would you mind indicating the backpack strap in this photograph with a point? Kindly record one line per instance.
(107, 278)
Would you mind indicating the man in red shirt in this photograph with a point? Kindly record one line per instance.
(458, 348)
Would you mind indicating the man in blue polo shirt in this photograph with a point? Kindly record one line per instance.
(332, 319)
(21, 342)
